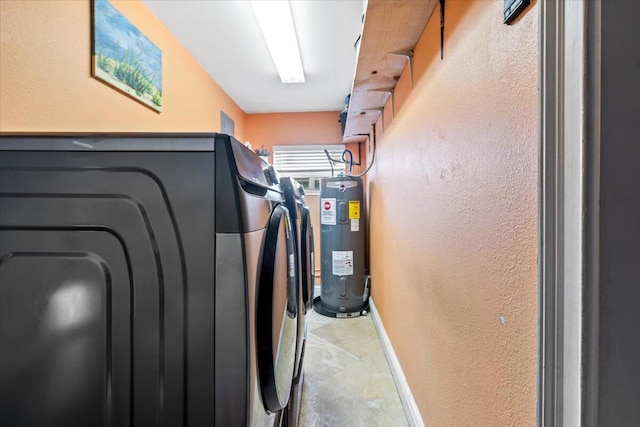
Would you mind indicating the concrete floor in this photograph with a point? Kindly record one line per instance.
(347, 380)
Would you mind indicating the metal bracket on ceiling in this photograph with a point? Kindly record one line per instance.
(368, 140)
(409, 55)
(441, 29)
(391, 92)
(381, 111)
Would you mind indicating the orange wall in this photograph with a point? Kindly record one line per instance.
(311, 128)
(46, 83)
(453, 220)
(271, 129)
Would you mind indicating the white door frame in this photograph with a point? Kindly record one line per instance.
(569, 147)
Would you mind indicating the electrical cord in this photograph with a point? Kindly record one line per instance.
(331, 159)
(373, 155)
(347, 151)
(343, 160)
(326, 152)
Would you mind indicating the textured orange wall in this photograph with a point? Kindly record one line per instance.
(453, 220)
(321, 128)
(271, 129)
(46, 83)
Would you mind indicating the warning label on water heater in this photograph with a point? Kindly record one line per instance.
(342, 262)
(328, 211)
(354, 209)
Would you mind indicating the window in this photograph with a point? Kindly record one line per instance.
(307, 163)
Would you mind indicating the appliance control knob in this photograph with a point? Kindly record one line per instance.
(270, 173)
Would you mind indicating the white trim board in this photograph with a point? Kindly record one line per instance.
(406, 397)
(568, 212)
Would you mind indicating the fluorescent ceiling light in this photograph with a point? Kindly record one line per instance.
(277, 27)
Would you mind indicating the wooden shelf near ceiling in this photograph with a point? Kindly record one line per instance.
(389, 26)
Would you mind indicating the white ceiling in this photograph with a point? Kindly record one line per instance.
(224, 37)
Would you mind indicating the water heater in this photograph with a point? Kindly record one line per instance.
(342, 293)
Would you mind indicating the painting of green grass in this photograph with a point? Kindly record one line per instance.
(124, 58)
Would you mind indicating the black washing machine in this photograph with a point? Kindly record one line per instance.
(145, 280)
(303, 232)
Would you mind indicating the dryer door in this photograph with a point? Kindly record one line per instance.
(307, 254)
(276, 321)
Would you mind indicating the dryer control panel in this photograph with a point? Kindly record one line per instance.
(271, 175)
(251, 167)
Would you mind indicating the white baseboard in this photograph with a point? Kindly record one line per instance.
(408, 403)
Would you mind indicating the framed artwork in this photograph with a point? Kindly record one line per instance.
(124, 58)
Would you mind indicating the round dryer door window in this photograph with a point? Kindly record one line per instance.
(276, 315)
(308, 258)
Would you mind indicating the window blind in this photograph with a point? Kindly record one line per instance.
(306, 161)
